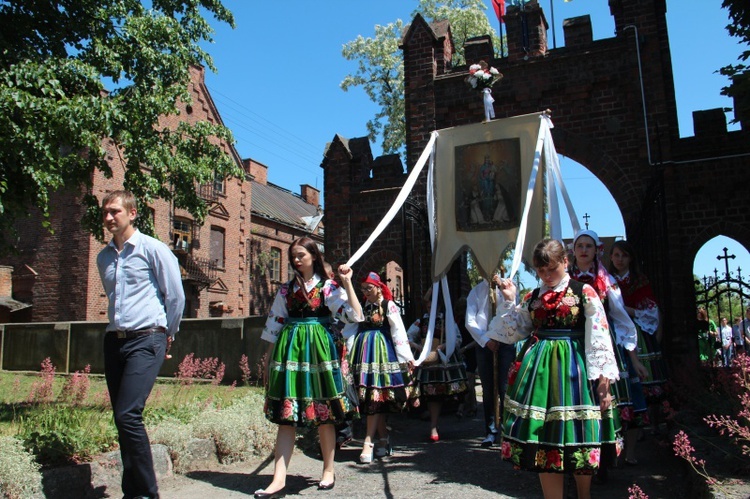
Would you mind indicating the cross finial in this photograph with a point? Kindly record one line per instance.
(586, 217)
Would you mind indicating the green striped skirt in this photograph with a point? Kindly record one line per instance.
(305, 385)
(552, 422)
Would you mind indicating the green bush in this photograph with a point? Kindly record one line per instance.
(19, 472)
(62, 434)
(240, 430)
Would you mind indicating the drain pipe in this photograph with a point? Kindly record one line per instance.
(643, 93)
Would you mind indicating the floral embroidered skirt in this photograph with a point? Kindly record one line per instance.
(383, 385)
(305, 385)
(649, 353)
(552, 422)
(438, 380)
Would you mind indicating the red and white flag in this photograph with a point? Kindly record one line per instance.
(499, 6)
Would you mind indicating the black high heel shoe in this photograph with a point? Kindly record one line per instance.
(327, 486)
(262, 494)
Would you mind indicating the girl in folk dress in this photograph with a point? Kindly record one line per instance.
(305, 386)
(380, 362)
(437, 380)
(640, 304)
(628, 392)
(558, 417)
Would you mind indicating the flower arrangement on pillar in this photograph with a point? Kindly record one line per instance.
(482, 77)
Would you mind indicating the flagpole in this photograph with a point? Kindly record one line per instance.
(552, 15)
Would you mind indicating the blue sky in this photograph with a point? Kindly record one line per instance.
(277, 86)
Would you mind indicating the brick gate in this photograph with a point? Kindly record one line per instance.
(614, 109)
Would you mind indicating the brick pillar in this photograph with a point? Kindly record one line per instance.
(527, 31)
(578, 31)
(479, 48)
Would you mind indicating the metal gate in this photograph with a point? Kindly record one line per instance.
(720, 295)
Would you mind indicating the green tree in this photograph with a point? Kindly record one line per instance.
(380, 65)
(56, 113)
(739, 74)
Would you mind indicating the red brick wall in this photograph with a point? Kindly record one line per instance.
(593, 89)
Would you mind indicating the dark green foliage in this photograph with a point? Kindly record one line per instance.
(74, 73)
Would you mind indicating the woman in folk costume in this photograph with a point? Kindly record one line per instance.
(628, 392)
(558, 417)
(380, 362)
(305, 386)
(640, 304)
(437, 380)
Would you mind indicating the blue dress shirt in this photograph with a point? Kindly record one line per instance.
(143, 284)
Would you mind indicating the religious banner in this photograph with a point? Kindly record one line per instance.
(484, 177)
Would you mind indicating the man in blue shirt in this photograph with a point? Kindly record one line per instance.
(142, 281)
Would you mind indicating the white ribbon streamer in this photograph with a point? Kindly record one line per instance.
(518, 250)
(405, 191)
(489, 110)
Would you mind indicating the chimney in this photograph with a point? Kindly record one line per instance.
(259, 171)
(6, 281)
(310, 194)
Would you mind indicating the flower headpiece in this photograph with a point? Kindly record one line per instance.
(374, 279)
(482, 76)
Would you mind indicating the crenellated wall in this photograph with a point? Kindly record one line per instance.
(674, 194)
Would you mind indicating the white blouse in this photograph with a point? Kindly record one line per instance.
(334, 296)
(513, 323)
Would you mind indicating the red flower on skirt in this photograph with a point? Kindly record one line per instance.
(513, 372)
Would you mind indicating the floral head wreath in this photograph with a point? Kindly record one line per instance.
(374, 279)
(593, 235)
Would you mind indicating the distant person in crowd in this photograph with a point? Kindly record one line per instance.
(628, 392)
(381, 363)
(438, 381)
(492, 357)
(745, 329)
(298, 330)
(708, 337)
(558, 417)
(142, 281)
(738, 336)
(725, 332)
(640, 304)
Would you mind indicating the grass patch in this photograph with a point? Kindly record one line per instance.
(68, 419)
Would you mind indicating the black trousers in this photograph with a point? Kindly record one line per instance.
(130, 367)
(485, 367)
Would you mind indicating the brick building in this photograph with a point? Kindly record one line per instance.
(56, 271)
(664, 185)
(278, 218)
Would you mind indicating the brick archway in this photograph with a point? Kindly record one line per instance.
(614, 113)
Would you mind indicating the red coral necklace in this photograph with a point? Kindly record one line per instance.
(548, 302)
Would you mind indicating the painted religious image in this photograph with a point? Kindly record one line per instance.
(488, 185)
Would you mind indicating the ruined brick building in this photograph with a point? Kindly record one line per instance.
(663, 184)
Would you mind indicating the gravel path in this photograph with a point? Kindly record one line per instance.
(454, 467)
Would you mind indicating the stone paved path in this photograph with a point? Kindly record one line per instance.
(455, 467)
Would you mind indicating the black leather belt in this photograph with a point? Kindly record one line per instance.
(122, 335)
